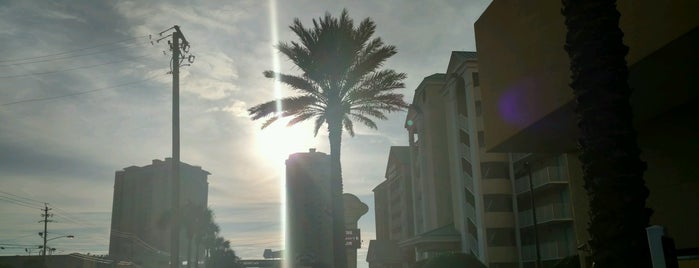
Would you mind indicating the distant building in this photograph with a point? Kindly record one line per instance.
(140, 231)
(308, 208)
(309, 234)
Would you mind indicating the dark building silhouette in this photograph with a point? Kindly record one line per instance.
(308, 209)
(141, 210)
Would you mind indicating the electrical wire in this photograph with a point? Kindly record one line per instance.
(71, 56)
(26, 198)
(17, 203)
(75, 50)
(81, 92)
(75, 68)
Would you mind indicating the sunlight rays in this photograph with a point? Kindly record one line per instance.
(278, 95)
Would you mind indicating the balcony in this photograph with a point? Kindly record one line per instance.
(519, 156)
(465, 151)
(545, 214)
(549, 251)
(548, 176)
(470, 212)
(463, 123)
(472, 243)
(468, 181)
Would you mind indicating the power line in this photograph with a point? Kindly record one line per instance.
(17, 203)
(75, 50)
(72, 56)
(81, 92)
(75, 68)
(22, 197)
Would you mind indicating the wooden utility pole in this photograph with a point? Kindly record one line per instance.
(178, 46)
(46, 221)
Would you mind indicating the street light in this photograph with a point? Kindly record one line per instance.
(43, 248)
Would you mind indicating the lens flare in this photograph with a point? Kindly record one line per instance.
(278, 96)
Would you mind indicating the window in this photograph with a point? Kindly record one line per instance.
(495, 170)
(476, 80)
(497, 203)
(479, 108)
(464, 138)
(501, 237)
(481, 139)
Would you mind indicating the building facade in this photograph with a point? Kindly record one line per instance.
(529, 106)
(309, 237)
(393, 208)
(140, 228)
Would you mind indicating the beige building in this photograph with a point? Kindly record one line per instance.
(480, 181)
(393, 208)
(433, 201)
(142, 202)
(529, 107)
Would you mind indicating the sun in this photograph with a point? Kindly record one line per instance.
(276, 142)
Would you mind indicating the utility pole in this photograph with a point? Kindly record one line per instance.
(536, 229)
(46, 221)
(178, 46)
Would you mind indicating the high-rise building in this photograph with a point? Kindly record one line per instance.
(393, 208)
(309, 232)
(141, 208)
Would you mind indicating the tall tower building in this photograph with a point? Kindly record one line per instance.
(309, 239)
(141, 207)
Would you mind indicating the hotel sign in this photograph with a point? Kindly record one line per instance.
(353, 238)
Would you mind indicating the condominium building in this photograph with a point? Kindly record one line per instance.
(549, 192)
(140, 228)
(309, 239)
(393, 207)
(480, 181)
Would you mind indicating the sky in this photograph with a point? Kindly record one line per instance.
(84, 93)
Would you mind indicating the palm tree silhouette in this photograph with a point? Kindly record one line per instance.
(612, 168)
(341, 82)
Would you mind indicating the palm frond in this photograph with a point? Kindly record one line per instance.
(318, 123)
(348, 125)
(364, 120)
(269, 121)
(300, 117)
(289, 104)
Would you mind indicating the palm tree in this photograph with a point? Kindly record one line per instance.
(341, 82)
(206, 228)
(612, 169)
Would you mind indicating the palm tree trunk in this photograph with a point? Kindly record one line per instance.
(335, 137)
(612, 169)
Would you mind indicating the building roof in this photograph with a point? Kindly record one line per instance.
(400, 154)
(383, 251)
(458, 57)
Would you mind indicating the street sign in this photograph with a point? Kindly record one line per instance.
(353, 238)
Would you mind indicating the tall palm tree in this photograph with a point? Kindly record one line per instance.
(612, 169)
(341, 82)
